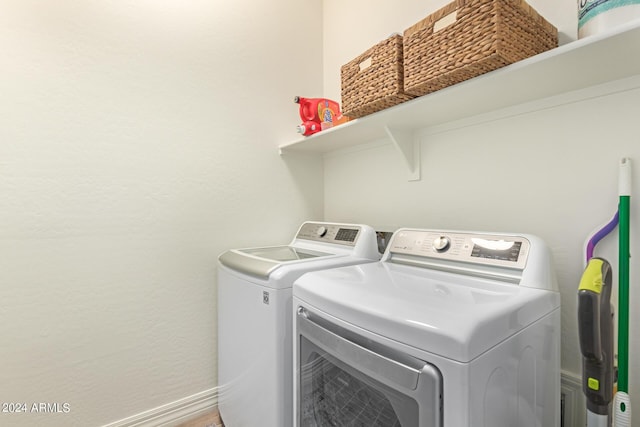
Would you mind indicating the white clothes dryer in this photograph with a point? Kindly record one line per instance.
(255, 322)
(449, 329)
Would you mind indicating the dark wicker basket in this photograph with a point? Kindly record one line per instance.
(467, 38)
(374, 80)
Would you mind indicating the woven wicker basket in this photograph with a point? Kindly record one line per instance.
(467, 38)
(374, 80)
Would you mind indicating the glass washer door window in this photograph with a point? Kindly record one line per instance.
(336, 392)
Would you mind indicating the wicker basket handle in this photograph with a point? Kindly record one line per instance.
(438, 20)
(365, 63)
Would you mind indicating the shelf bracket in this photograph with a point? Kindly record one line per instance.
(408, 146)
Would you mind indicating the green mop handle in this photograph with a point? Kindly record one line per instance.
(622, 408)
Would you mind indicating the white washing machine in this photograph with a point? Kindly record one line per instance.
(255, 322)
(450, 329)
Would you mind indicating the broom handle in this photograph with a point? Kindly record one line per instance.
(622, 409)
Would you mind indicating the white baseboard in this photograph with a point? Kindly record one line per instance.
(189, 407)
(172, 413)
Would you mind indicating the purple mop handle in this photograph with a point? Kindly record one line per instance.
(600, 235)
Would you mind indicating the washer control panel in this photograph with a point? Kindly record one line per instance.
(331, 233)
(497, 250)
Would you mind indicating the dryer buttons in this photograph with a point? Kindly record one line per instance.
(441, 244)
(322, 231)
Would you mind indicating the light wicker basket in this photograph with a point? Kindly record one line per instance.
(374, 80)
(467, 38)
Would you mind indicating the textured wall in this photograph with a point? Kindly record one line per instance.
(138, 141)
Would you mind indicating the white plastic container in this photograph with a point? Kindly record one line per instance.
(597, 16)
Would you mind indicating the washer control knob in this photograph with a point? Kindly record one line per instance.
(441, 244)
(322, 231)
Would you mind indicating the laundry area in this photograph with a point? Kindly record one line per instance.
(319, 213)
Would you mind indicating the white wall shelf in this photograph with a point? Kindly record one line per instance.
(577, 65)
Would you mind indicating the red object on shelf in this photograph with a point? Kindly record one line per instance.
(309, 128)
(317, 114)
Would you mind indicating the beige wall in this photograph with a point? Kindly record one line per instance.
(138, 141)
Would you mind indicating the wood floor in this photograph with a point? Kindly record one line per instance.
(210, 419)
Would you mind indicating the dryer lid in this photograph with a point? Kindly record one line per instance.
(262, 261)
(283, 253)
(316, 245)
(455, 316)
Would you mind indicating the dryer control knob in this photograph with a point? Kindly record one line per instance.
(441, 244)
(321, 231)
